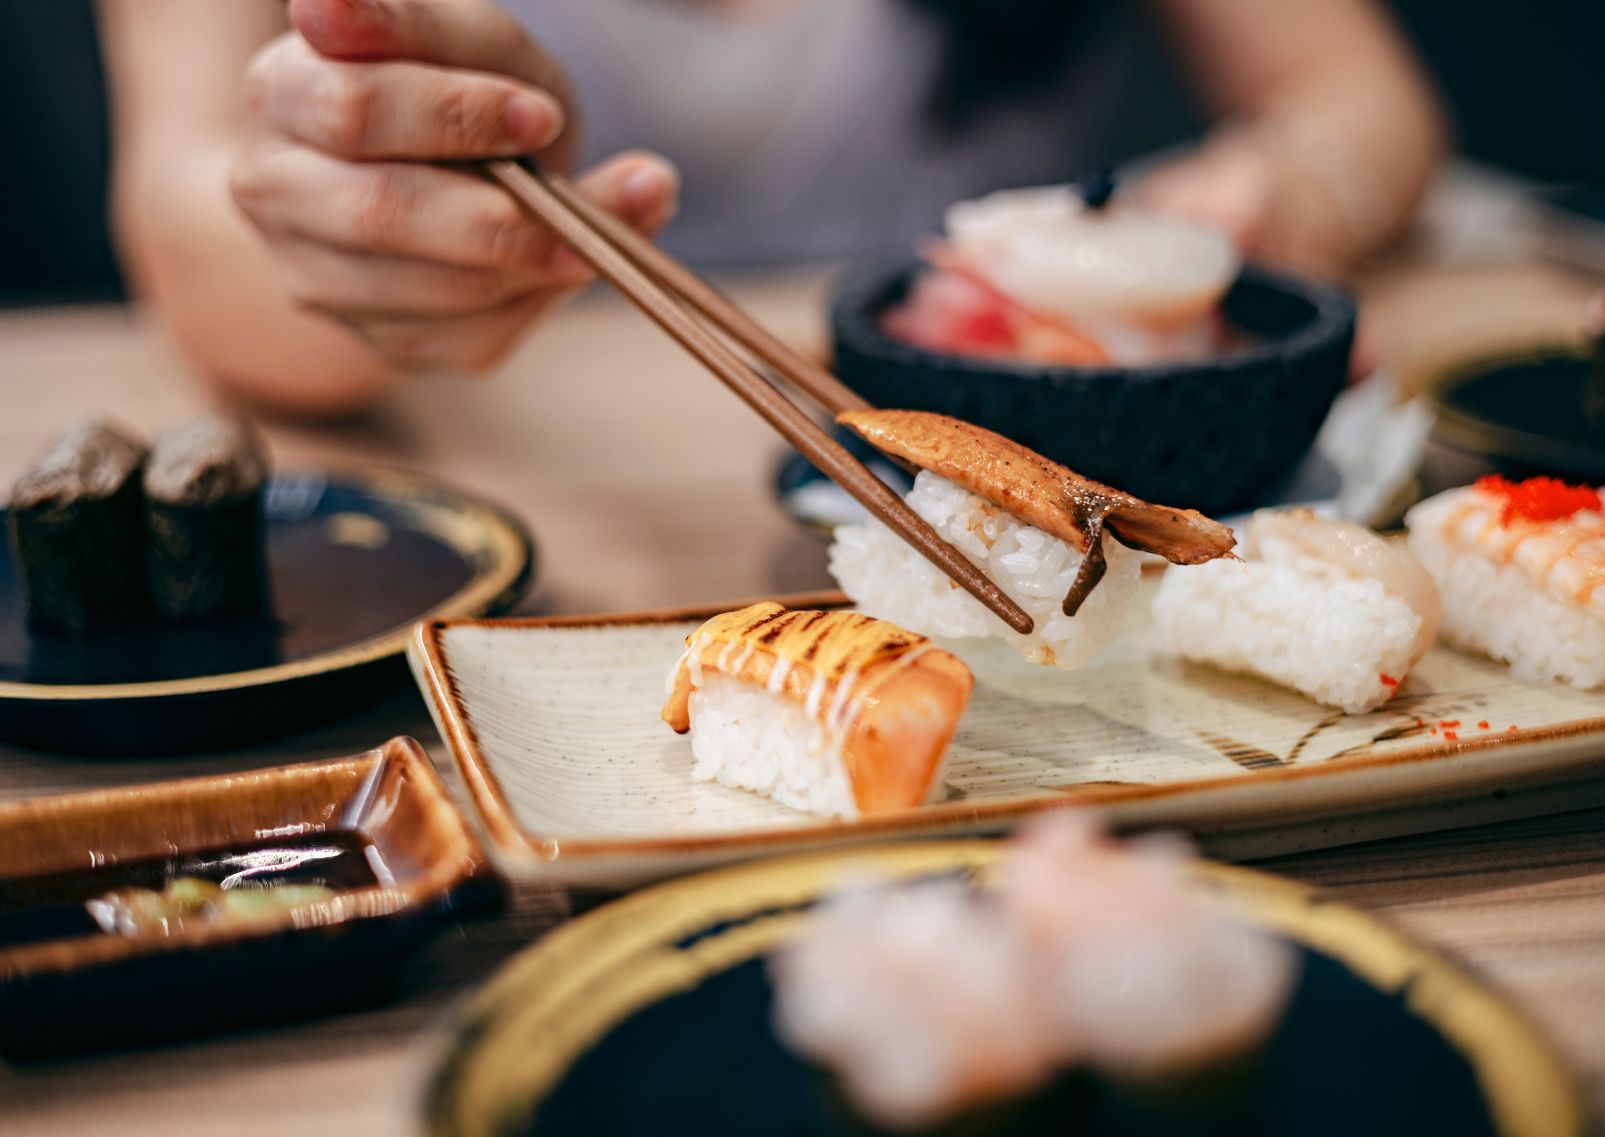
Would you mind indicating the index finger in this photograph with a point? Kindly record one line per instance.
(473, 34)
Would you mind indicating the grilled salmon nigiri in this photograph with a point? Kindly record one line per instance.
(834, 713)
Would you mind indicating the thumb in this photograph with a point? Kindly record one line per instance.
(348, 29)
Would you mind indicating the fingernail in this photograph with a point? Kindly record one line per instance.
(654, 184)
(533, 120)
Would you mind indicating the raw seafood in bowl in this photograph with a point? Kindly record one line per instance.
(1202, 386)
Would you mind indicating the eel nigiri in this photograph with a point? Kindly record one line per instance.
(1521, 567)
(835, 713)
(1038, 529)
(1323, 606)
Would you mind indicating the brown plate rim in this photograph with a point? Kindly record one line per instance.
(460, 864)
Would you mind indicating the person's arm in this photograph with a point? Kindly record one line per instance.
(281, 203)
(175, 69)
(1329, 129)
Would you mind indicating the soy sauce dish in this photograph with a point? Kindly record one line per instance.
(1534, 412)
(135, 916)
(1132, 348)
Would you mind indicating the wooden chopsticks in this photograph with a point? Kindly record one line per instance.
(667, 292)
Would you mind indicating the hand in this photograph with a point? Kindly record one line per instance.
(1273, 209)
(348, 114)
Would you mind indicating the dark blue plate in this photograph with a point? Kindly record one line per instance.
(652, 1015)
(354, 560)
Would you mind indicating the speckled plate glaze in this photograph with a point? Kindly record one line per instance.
(651, 1015)
(554, 724)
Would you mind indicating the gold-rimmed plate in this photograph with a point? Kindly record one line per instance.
(651, 1015)
(554, 723)
(355, 560)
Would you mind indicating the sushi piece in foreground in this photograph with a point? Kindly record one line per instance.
(203, 490)
(1521, 568)
(936, 1002)
(1064, 547)
(78, 528)
(1325, 607)
(834, 713)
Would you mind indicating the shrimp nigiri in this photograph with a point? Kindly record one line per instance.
(1521, 568)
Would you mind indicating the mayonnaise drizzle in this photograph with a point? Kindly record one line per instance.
(836, 648)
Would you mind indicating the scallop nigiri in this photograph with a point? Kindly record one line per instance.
(1521, 567)
(834, 713)
(1064, 547)
(1323, 606)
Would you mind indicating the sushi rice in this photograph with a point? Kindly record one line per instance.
(887, 578)
(1293, 619)
(752, 739)
(1495, 603)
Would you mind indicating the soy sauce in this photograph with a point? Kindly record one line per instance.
(50, 906)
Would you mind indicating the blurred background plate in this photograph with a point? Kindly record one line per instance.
(651, 1015)
(355, 560)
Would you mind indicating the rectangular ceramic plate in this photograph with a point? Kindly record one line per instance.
(554, 723)
(96, 989)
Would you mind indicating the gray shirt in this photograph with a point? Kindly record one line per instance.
(803, 128)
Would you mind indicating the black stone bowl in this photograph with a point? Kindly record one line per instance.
(1217, 435)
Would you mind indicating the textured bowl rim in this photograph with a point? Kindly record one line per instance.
(856, 295)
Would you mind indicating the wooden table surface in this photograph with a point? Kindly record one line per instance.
(646, 484)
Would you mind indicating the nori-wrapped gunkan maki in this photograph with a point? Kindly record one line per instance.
(203, 507)
(78, 529)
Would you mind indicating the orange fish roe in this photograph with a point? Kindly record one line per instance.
(1388, 680)
(1448, 724)
(1482, 724)
(1511, 728)
(1451, 736)
(1539, 499)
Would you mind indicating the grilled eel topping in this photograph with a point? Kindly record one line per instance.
(1043, 493)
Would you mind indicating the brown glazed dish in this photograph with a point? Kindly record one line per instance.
(377, 831)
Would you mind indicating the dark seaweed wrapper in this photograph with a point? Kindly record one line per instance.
(207, 561)
(83, 559)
